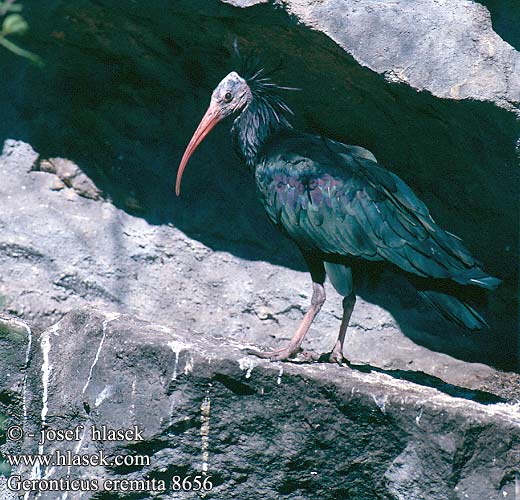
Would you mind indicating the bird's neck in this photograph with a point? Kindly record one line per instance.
(255, 126)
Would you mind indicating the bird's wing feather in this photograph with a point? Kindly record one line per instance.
(336, 199)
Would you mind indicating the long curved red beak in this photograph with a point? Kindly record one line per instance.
(209, 120)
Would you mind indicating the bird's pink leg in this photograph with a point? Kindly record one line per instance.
(336, 356)
(317, 300)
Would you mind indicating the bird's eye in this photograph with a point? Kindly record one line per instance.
(228, 97)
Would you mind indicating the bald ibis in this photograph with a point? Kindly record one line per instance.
(341, 208)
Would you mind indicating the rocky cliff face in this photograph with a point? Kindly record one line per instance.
(196, 405)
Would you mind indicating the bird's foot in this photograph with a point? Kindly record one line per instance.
(336, 356)
(327, 357)
(287, 354)
(300, 356)
(310, 356)
(284, 354)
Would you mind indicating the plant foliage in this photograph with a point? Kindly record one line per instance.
(14, 24)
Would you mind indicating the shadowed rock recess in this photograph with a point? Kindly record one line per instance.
(88, 218)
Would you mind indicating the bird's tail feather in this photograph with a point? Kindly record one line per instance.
(488, 282)
(455, 309)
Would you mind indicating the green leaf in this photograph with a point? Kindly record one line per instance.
(14, 24)
(9, 6)
(21, 52)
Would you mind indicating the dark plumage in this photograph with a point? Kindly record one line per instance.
(340, 207)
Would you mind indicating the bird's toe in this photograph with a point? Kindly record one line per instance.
(276, 355)
(282, 355)
(310, 356)
(337, 357)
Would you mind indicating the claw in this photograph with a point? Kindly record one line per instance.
(337, 357)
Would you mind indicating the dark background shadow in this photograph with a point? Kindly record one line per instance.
(505, 17)
(125, 86)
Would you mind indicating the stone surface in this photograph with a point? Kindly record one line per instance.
(448, 48)
(15, 346)
(58, 253)
(70, 175)
(263, 430)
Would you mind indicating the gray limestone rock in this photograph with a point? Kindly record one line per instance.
(70, 175)
(447, 48)
(15, 348)
(258, 429)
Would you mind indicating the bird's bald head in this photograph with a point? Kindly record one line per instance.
(231, 95)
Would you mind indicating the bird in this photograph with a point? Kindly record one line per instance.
(342, 209)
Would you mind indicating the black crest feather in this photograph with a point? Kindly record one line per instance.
(259, 78)
(266, 114)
